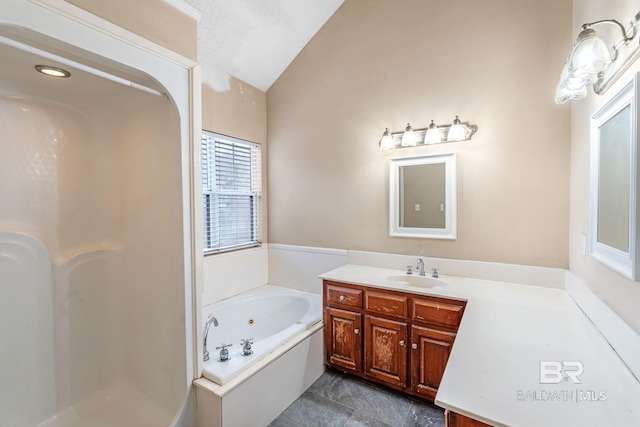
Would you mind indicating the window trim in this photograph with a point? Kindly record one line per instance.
(258, 194)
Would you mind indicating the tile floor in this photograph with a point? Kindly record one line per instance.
(339, 400)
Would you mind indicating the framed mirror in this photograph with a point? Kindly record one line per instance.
(422, 196)
(613, 187)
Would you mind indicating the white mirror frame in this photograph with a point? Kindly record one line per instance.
(449, 231)
(616, 259)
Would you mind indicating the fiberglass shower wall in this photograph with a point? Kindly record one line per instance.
(91, 244)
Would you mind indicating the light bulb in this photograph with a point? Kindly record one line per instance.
(433, 135)
(386, 142)
(408, 137)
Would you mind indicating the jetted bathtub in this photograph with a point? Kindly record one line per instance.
(270, 315)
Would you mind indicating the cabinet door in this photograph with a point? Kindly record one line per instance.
(385, 347)
(343, 338)
(430, 351)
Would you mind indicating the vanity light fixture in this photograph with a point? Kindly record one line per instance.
(433, 134)
(591, 62)
(52, 71)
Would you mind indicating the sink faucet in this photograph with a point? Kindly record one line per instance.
(434, 273)
(420, 267)
(207, 325)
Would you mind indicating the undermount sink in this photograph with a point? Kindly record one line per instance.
(418, 281)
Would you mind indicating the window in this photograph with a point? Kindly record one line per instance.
(231, 193)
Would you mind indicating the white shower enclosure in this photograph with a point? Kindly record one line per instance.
(96, 277)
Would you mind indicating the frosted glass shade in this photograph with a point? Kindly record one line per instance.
(433, 135)
(408, 137)
(457, 131)
(588, 59)
(386, 142)
(590, 55)
(570, 87)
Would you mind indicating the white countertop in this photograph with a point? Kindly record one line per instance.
(493, 373)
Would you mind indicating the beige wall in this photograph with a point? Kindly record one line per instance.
(240, 112)
(380, 63)
(155, 20)
(619, 292)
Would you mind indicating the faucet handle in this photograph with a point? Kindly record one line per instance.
(246, 346)
(409, 267)
(224, 353)
(434, 272)
(223, 346)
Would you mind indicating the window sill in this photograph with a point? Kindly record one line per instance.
(211, 252)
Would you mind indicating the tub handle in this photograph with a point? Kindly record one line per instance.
(356, 331)
(401, 343)
(224, 353)
(246, 346)
(341, 297)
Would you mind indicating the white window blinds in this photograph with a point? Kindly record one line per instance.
(231, 187)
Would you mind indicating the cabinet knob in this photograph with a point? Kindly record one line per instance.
(356, 331)
(401, 343)
(414, 346)
(341, 297)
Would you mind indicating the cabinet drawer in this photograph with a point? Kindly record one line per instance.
(437, 312)
(341, 296)
(384, 303)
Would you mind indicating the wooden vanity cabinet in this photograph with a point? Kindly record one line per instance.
(405, 339)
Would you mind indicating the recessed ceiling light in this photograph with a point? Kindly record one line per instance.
(52, 71)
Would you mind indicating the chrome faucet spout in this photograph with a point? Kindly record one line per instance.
(420, 267)
(205, 333)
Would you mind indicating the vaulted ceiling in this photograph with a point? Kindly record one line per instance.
(255, 40)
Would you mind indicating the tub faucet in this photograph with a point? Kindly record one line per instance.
(420, 267)
(207, 325)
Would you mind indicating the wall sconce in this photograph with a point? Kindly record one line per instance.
(590, 61)
(433, 134)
